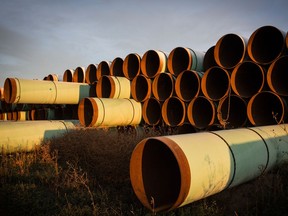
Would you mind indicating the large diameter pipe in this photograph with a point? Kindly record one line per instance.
(1, 94)
(79, 75)
(151, 111)
(27, 135)
(215, 83)
(163, 86)
(116, 67)
(153, 62)
(103, 69)
(68, 75)
(113, 87)
(230, 50)
(94, 112)
(209, 59)
(141, 88)
(91, 73)
(266, 108)
(132, 65)
(168, 172)
(277, 76)
(188, 84)
(182, 58)
(266, 44)
(44, 92)
(247, 79)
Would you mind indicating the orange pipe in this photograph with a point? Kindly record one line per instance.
(79, 75)
(209, 59)
(151, 111)
(247, 79)
(116, 67)
(141, 88)
(68, 75)
(131, 65)
(153, 62)
(266, 44)
(91, 73)
(173, 111)
(103, 69)
(163, 86)
(1, 94)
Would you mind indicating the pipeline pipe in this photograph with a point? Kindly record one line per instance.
(93, 87)
(151, 111)
(215, 83)
(91, 73)
(153, 62)
(266, 44)
(27, 135)
(182, 58)
(188, 84)
(230, 50)
(232, 112)
(116, 67)
(168, 172)
(44, 92)
(95, 112)
(52, 77)
(1, 94)
(132, 65)
(103, 69)
(79, 75)
(209, 59)
(201, 112)
(113, 87)
(141, 88)
(277, 76)
(266, 108)
(247, 79)
(68, 75)
(173, 111)
(163, 86)
(3, 116)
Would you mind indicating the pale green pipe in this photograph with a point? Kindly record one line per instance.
(27, 135)
(44, 92)
(95, 112)
(171, 171)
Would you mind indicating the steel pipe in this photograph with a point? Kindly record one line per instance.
(1, 94)
(247, 79)
(103, 69)
(68, 75)
(266, 44)
(201, 112)
(188, 84)
(266, 108)
(141, 88)
(95, 112)
(44, 92)
(215, 83)
(182, 58)
(113, 87)
(91, 73)
(163, 86)
(151, 111)
(277, 76)
(52, 77)
(209, 59)
(168, 172)
(79, 75)
(132, 65)
(116, 67)
(153, 62)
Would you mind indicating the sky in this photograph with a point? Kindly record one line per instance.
(42, 37)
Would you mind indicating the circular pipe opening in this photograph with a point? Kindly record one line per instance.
(78, 75)
(209, 59)
(163, 86)
(151, 109)
(179, 60)
(131, 65)
(87, 112)
(104, 87)
(9, 90)
(152, 63)
(140, 88)
(90, 74)
(103, 69)
(173, 111)
(116, 67)
(68, 75)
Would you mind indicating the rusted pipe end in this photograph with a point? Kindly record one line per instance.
(52, 77)
(188, 85)
(163, 86)
(131, 65)
(277, 76)
(105, 87)
(201, 112)
(247, 79)
(160, 174)
(141, 88)
(230, 50)
(209, 59)
(116, 67)
(153, 62)
(103, 69)
(266, 108)
(90, 73)
(151, 111)
(68, 75)
(10, 90)
(179, 59)
(215, 83)
(79, 75)
(173, 111)
(87, 112)
(266, 44)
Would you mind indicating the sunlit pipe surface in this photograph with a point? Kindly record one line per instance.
(151, 111)
(209, 59)
(103, 69)
(116, 67)
(153, 62)
(201, 112)
(163, 86)
(215, 83)
(182, 58)
(94, 112)
(68, 75)
(141, 88)
(188, 84)
(44, 92)
(168, 172)
(113, 87)
(232, 112)
(277, 76)
(3, 116)
(132, 65)
(91, 73)
(230, 50)
(52, 77)
(26, 135)
(1, 94)
(266, 108)
(79, 75)
(266, 44)
(247, 79)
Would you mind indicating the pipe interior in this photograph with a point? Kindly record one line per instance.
(104, 68)
(279, 76)
(202, 112)
(92, 70)
(8, 91)
(152, 112)
(117, 67)
(152, 63)
(165, 86)
(88, 112)
(106, 87)
(161, 174)
(189, 85)
(180, 60)
(133, 65)
(209, 59)
(174, 111)
(141, 88)
(68, 76)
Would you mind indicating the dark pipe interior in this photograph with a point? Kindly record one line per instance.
(152, 63)
(175, 111)
(133, 65)
(189, 85)
(8, 91)
(180, 61)
(92, 70)
(141, 88)
(152, 113)
(104, 68)
(165, 86)
(118, 67)
(209, 59)
(88, 112)
(279, 76)
(105, 87)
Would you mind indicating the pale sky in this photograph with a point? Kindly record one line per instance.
(42, 37)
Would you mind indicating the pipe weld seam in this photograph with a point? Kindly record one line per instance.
(103, 108)
(57, 92)
(133, 111)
